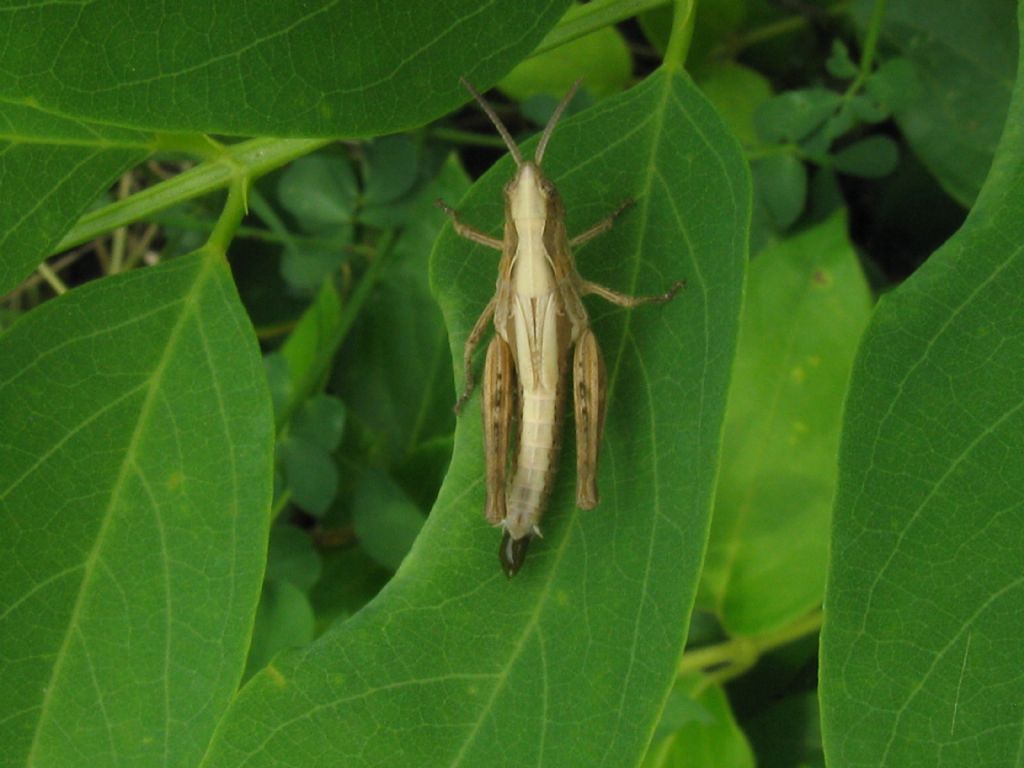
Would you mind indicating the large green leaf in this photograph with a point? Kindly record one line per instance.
(951, 89)
(922, 644)
(134, 493)
(286, 68)
(51, 169)
(576, 654)
(80, 81)
(807, 304)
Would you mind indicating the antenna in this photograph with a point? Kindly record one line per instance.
(555, 117)
(505, 135)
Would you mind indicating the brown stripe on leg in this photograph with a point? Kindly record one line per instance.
(588, 393)
(499, 393)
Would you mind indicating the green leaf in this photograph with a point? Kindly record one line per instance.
(736, 93)
(865, 108)
(953, 101)
(839, 64)
(709, 737)
(386, 520)
(310, 472)
(308, 349)
(285, 68)
(320, 191)
(284, 620)
(321, 421)
(291, 557)
(349, 580)
(922, 648)
(392, 164)
(306, 269)
(601, 58)
(135, 482)
(51, 169)
(397, 168)
(870, 158)
(71, 112)
(780, 182)
(792, 115)
(590, 631)
(807, 304)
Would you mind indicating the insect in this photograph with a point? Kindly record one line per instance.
(539, 319)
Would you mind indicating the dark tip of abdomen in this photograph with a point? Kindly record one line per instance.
(512, 553)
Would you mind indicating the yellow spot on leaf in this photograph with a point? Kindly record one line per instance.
(276, 676)
(798, 374)
(175, 480)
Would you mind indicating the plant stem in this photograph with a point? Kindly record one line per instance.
(262, 208)
(456, 136)
(253, 158)
(776, 29)
(120, 237)
(350, 311)
(280, 503)
(683, 18)
(50, 277)
(867, 55)
(743, 652)
(582, 20)
(234, 209)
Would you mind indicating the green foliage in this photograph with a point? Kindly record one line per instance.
(921, 650)
(955, 66)
(702, 732)
(212, 559)
(806, 306)
(601, 58)
(134, 489)
(516, 648)
(75, 116)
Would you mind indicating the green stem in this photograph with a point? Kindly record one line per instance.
(253, 158)
(280, 503)
(188, 221)
(234, 209)
(456, 136)
(349, 313)
(50, 277)
(771, 150)
(120, 239)
(262, 208)
(867, 55)
(683, 19)
(583, 19)
(741, 653)
(778, 28)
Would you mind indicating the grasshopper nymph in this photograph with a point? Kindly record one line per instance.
(538, 318)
